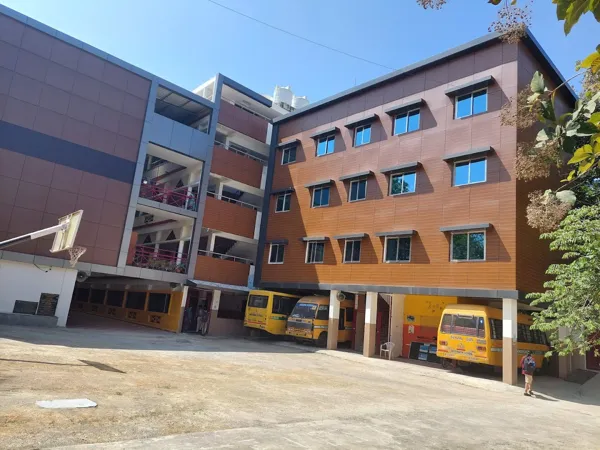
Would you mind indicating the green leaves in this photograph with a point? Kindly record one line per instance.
(537, 83)
(592, 61)
(574, 11)
(566, 197)
(586, 157)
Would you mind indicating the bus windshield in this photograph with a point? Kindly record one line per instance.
(304, 311)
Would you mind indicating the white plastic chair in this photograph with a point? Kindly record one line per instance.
(387, 349)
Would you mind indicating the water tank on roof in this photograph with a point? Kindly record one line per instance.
(299, 102)
(283, 94)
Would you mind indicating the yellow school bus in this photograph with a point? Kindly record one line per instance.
(309, 320)
(473, 333)
(268, 311)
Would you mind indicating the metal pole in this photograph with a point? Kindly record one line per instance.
(32, 236)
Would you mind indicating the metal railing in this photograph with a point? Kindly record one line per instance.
(166, 260)
(226, 257)
(232, 200)
(240, 152)
(177, 197)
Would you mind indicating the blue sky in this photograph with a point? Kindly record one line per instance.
(188, 41)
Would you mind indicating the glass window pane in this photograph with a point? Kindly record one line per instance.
(463, 106)
(330, 144)
(353, 190)
(356, 251)
(413, 120)
(478, 169)
(461, 173)
(322, 147)
(319, 251)
(286, 204)
(348, 251)
(316, 198)
(400, 124)
(392, 249)
(404, 249)
(284, 159)
(273, 255)
(396, 185)
(279, 203)
(476, 245)
(366, 138)
(358, 137)
(325, 196)
(479, 102)
(362, 189)
(409, 182)
(459, 247)
(280, 251)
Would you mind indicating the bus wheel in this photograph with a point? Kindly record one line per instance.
(446, 363)
(322, 341)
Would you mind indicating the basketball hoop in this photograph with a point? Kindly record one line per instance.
(75, 253)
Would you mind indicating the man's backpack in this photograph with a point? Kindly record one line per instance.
(529, 365)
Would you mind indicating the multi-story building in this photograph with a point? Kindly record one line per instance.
(171, 183)
(404, 189)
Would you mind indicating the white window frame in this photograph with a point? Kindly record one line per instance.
(468, 233)
(403, 173)
(471, 94)
(469, 176)
(350, 190)
(308, 247)
(271, 252)
(283, 154)
(397, 261)
(395, 133)
(325, 138)
(362, 127)
(312, 197)
(345, 248)
(277, 201)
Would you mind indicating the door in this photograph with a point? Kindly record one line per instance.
(592, 362)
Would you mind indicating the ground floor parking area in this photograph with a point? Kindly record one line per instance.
(157, 389)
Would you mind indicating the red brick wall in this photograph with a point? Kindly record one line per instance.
(231, 218)
(236, 167)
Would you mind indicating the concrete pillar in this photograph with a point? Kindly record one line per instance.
(370, 345)
(359, 313)
(397, 323)
(334, 320)
(214, 306)
(509, 340)
(219, 189)
(210, 245)
(184, 296)
(180, 251)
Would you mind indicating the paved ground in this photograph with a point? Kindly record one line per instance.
(158, 390)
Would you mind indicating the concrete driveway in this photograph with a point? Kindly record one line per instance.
(160, 390)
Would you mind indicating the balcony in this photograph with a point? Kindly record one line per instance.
(219, 268)
(178, 197)
(230, 216)
(166, 260)
(243, 121)
(237, 165)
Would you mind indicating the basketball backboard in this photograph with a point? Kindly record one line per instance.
(65, 237)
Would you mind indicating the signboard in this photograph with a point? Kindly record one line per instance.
(47, 305)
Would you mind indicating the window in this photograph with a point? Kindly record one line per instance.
(403, 183)
(283, 305)
(159, 302)
(320, 197)
(470, 172)
(358, 190)
(464, 325)
(397, 249)
(495, 329)
(283, 202)
(83, 295)
(362, 135)
(352, 251)
(481, 327)
(468, 246)
(323, 312)
(304, 311)
(276, 254)
(407, 122)
(97, 296)
(349, 315)
(470, 104)
(325, 145)
(258, 301)
(288, 155)
(115, 298)
(135, 300)
(447, 323)
(315, 252)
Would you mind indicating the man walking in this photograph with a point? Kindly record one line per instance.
(527, 368)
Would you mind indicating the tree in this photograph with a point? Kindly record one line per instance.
(572, 299)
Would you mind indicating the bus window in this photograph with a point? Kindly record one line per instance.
(283, 305)
(350, 315)
(258, 301)
(341, 325)
(465, 325)
(495, 329)
(447, 323)
(480, 327)
(304, 311)
(323, 312)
